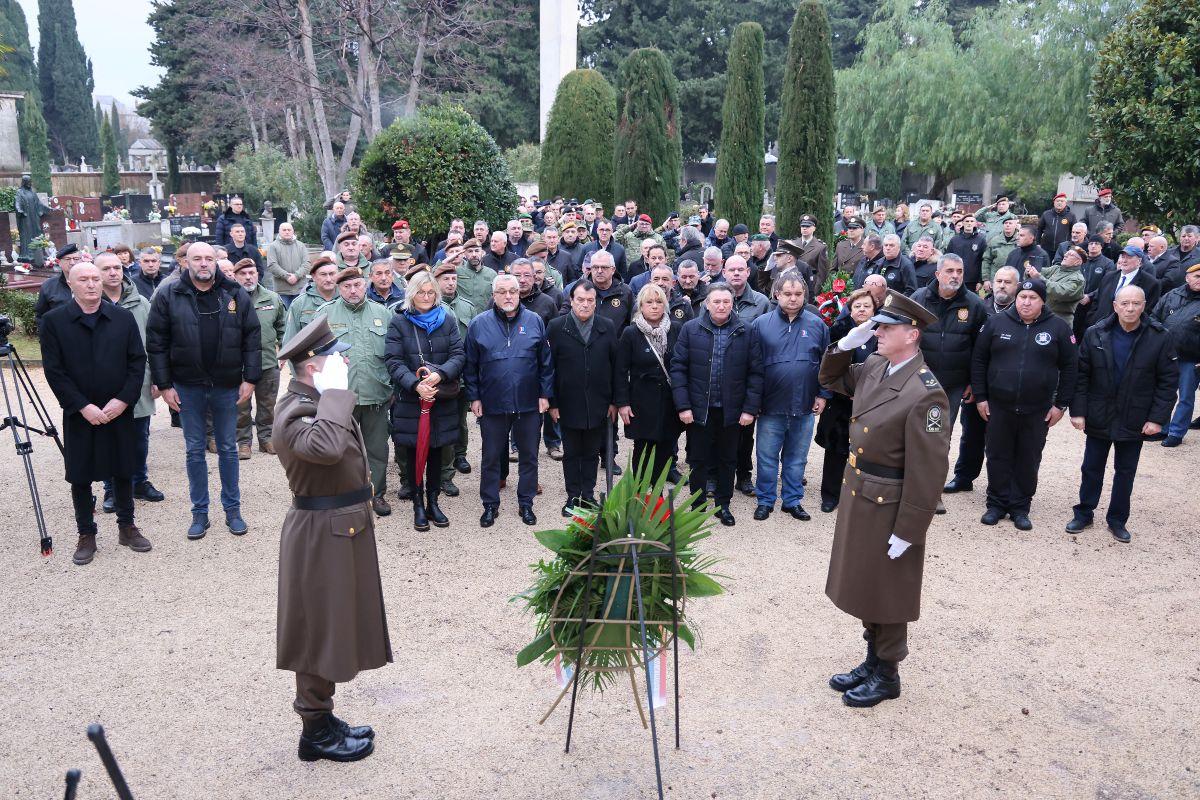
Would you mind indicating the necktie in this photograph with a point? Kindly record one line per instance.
(1121, 283)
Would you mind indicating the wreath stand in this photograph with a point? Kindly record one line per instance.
(609, 560)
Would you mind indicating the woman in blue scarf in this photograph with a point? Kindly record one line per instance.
(425, 357)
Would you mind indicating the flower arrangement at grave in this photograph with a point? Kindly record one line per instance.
(832, 298)
(560, 594)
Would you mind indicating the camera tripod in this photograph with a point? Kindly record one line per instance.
(26, 394)
(96, 734)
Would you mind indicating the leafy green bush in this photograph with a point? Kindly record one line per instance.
(571, 166)
(524, 161)
(271, 174)
(431, 168)
(19, 305)
(8, 198)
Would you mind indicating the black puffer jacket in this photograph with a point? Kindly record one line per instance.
(443, 351)
(1147, 389)
(948, 343)
(173, 336)
(1024, 368)
(227, 220)
(1179, 312)
(691, 369)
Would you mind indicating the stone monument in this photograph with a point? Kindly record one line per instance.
(558, 47)
(10, 139)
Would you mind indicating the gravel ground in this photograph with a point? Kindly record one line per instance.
(1044, 665)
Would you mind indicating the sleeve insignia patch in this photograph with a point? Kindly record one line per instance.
(933, 420)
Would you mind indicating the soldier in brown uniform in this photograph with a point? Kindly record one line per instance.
(899, 440)
(331, 622)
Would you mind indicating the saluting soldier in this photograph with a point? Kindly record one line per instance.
(331, 621)
(899, 440)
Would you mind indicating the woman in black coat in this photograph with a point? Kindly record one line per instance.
(833, 426)
(94, 363)
(424, 351)
(641, 386)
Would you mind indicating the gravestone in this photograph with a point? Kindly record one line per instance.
(55, 226)
(140, 206)
(115, 201)
(80, 209)
(178, 223)
(188, 203)
(281, 216)
(10, 145)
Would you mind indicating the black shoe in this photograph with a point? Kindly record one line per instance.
(1022, 522)
(797, 511)
(488, 518)
(726, 518)
(992, 516)
(526, 515)
(406, 492)
(326, 741)
(956, 485)
(1119, 532)
(745, 487)
(146, 491)
(450, 488)
(233, 520)
(198, 527)
(353, 731)
(1079, 524)
(1157, 437)
(883, 684)
(572, 502)
(673, 476)
(1172, 441)
(1195, 426)
(462, 465)
(828, 506)
(110, 503)
(434, 513)
(710, 488)
(616, 470)
(762, 512)
(420, 521)
(845, 681)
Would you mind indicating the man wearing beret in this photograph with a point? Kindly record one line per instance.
(349, 252)
(899, 441)
(1023, 376)
(331, 622)
(1102, 210)
(631, 236)
(321, 288)
(402, 237)
(56, 292)
(1055, 224)
(363, 325)
(993, 217)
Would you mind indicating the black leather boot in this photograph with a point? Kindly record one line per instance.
(845, 681)
(353, 731)
(322, 739)
(432, 511)
(420, 521)
(884, 684)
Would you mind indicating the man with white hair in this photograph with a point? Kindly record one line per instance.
(1158, 257)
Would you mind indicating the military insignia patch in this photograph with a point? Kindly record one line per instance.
(963, 313)
(678, 313)
(974, 247)
(615, 302)
(1065, 222)
(933, 420)
(379, 323)
(1042, 338)
(887, 301)
(308, 420)
(232, 306)
(930, 381)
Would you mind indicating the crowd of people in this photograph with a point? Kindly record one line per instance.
(697, 339)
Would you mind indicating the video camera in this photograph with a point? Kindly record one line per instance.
(6, 327)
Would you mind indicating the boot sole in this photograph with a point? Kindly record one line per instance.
(445, 524)
(853, 703)
(421, 528)
(310, 757)
(138, 549)
(82, 563)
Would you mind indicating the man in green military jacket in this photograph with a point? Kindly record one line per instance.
(924, 225)
(455, 458)
(363, 324)
(272, 316)
(321, 288)
(475, 279)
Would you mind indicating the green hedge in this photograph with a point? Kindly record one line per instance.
(19, 305)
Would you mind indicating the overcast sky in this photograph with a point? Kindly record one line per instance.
(116, 37)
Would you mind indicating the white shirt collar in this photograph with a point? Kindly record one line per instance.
(894, 368)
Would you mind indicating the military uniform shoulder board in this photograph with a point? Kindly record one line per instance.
(933, 420)
(928, 379)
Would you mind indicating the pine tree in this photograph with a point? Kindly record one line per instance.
(110, 182)
(37, 145)
(806, 175)
(741, 173)
(66, 82)
(585, 102)
(648, 161)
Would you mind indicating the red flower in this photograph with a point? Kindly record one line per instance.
(839, 286)
(666, 514)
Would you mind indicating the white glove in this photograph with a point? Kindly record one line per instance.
(857, 337)
(333, 375)
(897, 546)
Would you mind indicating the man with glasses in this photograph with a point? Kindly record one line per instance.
(604, 241)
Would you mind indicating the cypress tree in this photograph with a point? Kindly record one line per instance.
(585, 101)
(118, 132)
(66, 82)
(741, 174)
(806, 175)
(37, 145)
(19, 67)
(99, 116)
(648, 161)
(110, 182)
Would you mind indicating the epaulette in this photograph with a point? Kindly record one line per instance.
(928, 379)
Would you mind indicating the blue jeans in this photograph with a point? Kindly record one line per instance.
(141, 474)
(790, 436)
(1187, 401)
(195, 403)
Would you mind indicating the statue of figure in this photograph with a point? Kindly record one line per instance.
(266, 211)
(30, 210)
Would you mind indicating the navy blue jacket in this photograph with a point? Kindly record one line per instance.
(790, 355)
(617, 251)
(508, 362)
(691, 365)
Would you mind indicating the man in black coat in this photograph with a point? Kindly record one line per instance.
(240, 247)
(583, 349)
(94, 362)
(605, 241)
(1125, 390)
(1027, 256)
(1179, 312)
(1054, 226)
(1185, 254)
(713, 379)
(498, 256)
(532, 296)
(969, 244)
(1131, 271)
(204, 346)
(56, 291)
(1023, 377)
(235, 214)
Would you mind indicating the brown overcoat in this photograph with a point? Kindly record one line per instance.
(897, 421)
(816, 255)
(331, 620)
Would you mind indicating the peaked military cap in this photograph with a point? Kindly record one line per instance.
(897, 309)
(314, 339)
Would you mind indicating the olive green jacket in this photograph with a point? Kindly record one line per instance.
(475, 285)
(998, 248)
(993, 222)
(1064, 288)
(302, 311)
(272, 321)
(916, 230)
(365, 327)
(463, 310)
(139, 306)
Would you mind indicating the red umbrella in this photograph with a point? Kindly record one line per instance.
(423, 423)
